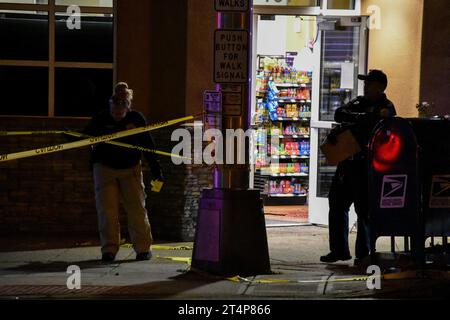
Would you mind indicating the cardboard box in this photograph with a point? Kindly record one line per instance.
(345, 147)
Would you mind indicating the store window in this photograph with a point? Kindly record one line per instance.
(92, 43)
(64, 70)
(92, 89)
(24, 35)
(25, 87)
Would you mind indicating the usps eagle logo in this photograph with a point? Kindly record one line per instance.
(393, 192)
(440, 192)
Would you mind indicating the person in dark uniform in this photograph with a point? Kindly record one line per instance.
(350, 183)
(118, 177)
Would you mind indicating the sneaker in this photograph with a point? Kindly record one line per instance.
(108, 257)
(331, 258)
(144, 256)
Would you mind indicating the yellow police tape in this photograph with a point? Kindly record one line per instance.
(89, 141)
(162, 248)
(29, 133)
(128, 146)
(186, 260)
(407, 275)
(281, 281)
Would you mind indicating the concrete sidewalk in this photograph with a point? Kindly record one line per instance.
(294, 253)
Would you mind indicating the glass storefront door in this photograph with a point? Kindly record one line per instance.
(342, 44)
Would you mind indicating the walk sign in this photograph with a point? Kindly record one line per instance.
(232, 5)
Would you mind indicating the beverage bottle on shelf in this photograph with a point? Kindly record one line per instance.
(297, 188)
(281, 187)
(276, 187)
(288, 149)
(301, 130)
(294, 149)
(303, 191)
(287, 187)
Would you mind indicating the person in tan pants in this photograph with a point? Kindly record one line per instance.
(118, 177)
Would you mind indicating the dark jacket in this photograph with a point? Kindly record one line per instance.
(119, 157)
(361, 116)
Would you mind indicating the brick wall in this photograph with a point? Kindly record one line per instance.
(48, 194)
(53, 194)
(173, 212)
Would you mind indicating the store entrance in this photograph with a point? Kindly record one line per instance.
(282, 111)
(305, 67)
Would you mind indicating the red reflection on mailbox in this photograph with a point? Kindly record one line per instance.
(387, 148)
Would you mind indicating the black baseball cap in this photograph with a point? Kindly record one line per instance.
(375, 75)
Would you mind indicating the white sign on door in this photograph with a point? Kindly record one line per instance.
(231, 56)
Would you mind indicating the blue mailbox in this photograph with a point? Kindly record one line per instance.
(409, 181)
